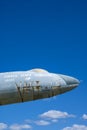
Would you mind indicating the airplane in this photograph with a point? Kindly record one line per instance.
(21, 86)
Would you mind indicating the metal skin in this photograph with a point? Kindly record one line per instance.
(34, 84)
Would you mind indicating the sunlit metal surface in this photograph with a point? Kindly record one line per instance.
(33, 84)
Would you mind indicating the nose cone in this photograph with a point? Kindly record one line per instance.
(70, 81)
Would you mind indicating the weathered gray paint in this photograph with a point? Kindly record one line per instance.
(35, 84)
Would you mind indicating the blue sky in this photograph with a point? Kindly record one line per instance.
(52, 35)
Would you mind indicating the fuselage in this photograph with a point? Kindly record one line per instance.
(34, 84)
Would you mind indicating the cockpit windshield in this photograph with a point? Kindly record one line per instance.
(39, 70)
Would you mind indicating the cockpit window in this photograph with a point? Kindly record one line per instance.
(39, 70)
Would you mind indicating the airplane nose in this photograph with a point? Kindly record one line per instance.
(70, 81)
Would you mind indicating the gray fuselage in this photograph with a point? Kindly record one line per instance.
(30, 85)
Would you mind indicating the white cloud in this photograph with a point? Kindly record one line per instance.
(84, 116)
(19, 127)
(45, 119)
(53, 114)
(76, 127)
(42, 122)
(3, 126)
